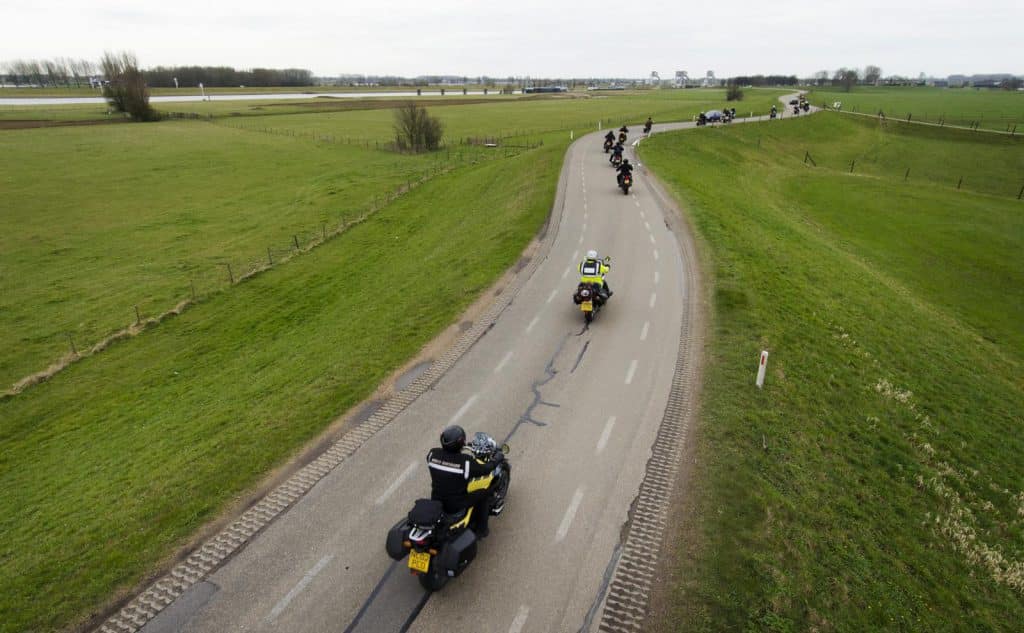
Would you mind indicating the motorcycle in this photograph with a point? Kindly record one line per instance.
(588, 297)
(616, 160)
(622, 137)
(626, 181)
(796, 110)
(774, 113)
(607, 145)
(441, 545)
(805, 106)
(647, 128)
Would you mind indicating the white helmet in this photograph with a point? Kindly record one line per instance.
(591, 254)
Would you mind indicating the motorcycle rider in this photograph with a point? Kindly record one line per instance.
(616, 151)
(774, 111)
(610, 136)
(592, 271)
(648, 124)
(624, 168)
(452, 474)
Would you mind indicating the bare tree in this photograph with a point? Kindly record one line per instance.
(872, 74)
(126, 90)
(845, 77)
(416, 130)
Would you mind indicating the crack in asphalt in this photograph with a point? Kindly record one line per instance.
(538, 399)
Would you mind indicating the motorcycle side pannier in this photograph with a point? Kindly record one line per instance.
(459, 553)
(396, 536)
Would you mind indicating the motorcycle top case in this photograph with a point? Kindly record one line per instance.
(459, 553)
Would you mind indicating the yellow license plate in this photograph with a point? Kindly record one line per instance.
(587, 306)
(419, 561)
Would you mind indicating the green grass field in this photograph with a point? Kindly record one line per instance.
(991, 109)
(875, 483)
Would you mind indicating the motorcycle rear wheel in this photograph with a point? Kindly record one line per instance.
(434, 579)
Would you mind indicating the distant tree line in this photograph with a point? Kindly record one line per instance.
(765, 80)
(59, 72)
(225, 76)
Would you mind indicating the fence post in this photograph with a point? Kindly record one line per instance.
(906, 175)
(295, 238)
(138, 319)
(960, 183)
(270, 258)
(852, 163)
(908, 117)
(71, 342)
(231, 275)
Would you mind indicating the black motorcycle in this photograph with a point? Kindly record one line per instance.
(441, 545)
(607, 145)
(647, 128)
(622, 137)
(625, 181)
(590, 300)
(616, 160)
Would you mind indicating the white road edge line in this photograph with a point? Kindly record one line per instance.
(462, 410)
(297, 589)
(533, 323)
(570, 514)
(520, 621)
(643, 332)
(605, 434)
(629, 374)
(504, 360)
(397, 483)
(654, 297)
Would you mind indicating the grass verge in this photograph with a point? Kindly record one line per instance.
(875, 482)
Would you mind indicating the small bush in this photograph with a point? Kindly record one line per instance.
(126, 89)
(416, 130)
(734, 93)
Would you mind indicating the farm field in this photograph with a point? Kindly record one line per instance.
(875, 482)
(991, 109)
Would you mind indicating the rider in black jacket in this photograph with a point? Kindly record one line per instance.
(624, 168)
(452, 472)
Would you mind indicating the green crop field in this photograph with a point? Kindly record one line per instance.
(991, 109)
(875, 483)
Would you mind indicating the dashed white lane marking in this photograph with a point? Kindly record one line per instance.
(570, 514)
(647, 225)
(532, 323)
(504, 359)
(642, 216)
(652, 239)
(585, 214)
(637, 203)
(398, 482)
(655, 253)
(629, 374)
(551, 296)
(520, 621)
(643, 332)
(584, 226)
(581, 241)
(297, 589)
(655, 277)
(575, 254)
(654, 297)
(566, 273)
(462, 410)
(605, 434)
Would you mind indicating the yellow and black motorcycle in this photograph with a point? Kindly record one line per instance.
(441, 545)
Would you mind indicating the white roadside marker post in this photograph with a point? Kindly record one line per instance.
(761, 368)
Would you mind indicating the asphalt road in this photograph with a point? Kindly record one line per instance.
(580, 408)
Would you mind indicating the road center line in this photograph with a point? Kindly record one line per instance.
(655, 276)
(652, 238)
(655, 253)
(629, 374)
(637, 203)
(581, 239)
(552, 295)
(297, 589)
(570, 514)
(584, 226)
(643, 332)
(397, 483)
(575, 254)
(533, 323)
(462, 410)
(642, 216)
(647, 225)
(504, 359)
(566, 273)
(654, 297)
(520, 621)
(605, 434)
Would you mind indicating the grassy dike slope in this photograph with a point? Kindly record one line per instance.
(111, 465)
(876, 482)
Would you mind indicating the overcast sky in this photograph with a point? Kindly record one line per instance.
(560, 38)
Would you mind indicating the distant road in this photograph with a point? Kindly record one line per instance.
(22, 101)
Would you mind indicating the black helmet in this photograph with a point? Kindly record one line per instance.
(453, 438)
